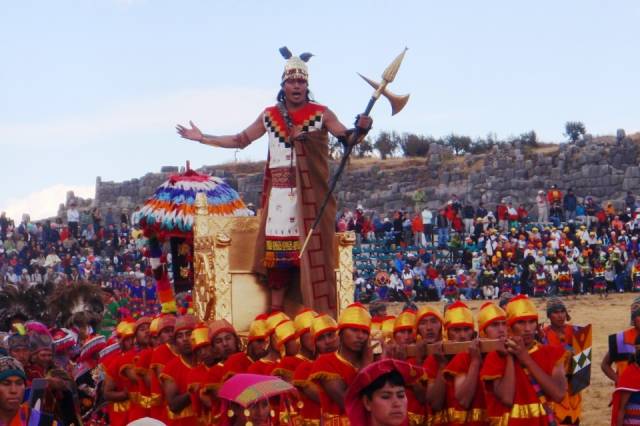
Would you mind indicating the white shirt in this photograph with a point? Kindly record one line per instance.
(73, 215)
(427, 216)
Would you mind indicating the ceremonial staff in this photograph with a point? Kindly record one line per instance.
(397, 103)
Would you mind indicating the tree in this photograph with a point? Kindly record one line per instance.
(528, 139)
(574, 130)
(415, 145)
(459, 144)
(363, 149)
(386, 143)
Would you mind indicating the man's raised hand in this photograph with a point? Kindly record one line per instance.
(193, 133)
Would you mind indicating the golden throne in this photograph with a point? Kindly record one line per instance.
(224, 285)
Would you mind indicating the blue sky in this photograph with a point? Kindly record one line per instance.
(95, 87)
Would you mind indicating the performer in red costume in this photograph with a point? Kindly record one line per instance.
(257, 347)
(323, 330)
(529, 375)
(334, 372)
(174, 377)
(296, 181)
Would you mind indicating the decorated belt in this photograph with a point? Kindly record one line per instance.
(283, 177)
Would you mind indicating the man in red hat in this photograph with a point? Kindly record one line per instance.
(175, 375)
(135, 376)
(257, 348)
(225, 343)
(161, 356)
(266, 364)
(224, 339)
(296, 174)
(334, 372)
(115, 386)
(198, 377)
(323, 335)
(530, 375)
(288, 343)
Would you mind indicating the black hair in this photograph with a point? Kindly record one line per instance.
(393, 378)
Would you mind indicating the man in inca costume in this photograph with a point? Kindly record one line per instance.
(295, 183)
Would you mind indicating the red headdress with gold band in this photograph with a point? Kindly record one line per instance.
(458, 315)
(258, 328)
(153, 327)
(126, 328)
(185, 322)
(521, 308)
(303, 320)
(143, 320)
(405, 321)
(220, 326)
(322, 324)
(274, 319)
(164, 321)
(200, 336)
(386, 326)
(284, 332)
(489, 312)
(355, 316)
(425, 311)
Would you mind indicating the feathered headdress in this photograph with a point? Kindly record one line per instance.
(76, 302)
(20, 302)
(296, 66)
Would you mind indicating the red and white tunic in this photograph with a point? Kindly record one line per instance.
(283, 231)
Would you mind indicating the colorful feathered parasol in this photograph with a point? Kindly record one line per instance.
(171, 210)
(169, 215)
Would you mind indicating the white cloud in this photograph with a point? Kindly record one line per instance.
(44, 203)
(220, 109)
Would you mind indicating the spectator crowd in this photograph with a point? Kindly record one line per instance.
(569, 247)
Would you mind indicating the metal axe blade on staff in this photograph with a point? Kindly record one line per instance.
(397, 104)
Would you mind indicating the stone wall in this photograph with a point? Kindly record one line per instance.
(600, 167)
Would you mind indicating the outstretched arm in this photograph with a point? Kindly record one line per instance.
(240, 140)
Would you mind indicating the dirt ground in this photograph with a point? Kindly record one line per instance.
(607, 316)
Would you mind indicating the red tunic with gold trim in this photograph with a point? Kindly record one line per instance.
(178, 371)
(262, 366)
(456, 413)
(310, 411)
(118, 411)
(160, 358)
(416, 411)
(212, 381)
(138, 391)
(431, 371)
(329, 367)
(141, 364)
(287, 366)
(197, 379)
(235, 364)
(528, 409)
(496, 412)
